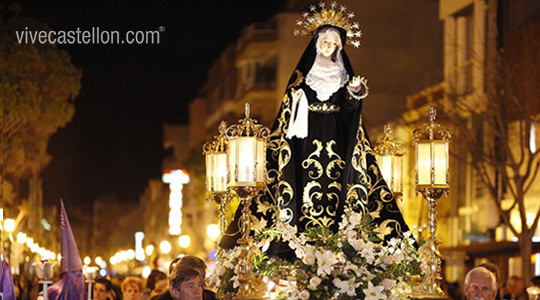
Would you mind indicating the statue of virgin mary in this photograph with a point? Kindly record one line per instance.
(319, 158)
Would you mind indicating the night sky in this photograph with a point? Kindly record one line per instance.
(113, 144)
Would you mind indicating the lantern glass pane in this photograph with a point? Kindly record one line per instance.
(261, 160)
(231, 161)
(397, 178)
(246, 159)
(220, 172)
(385, 164)
(440, 159)
(423, 162)
(209, 162)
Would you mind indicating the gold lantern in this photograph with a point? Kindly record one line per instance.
(431, 144)
(247, 154)
(390, 160)
(246, 168)
(216, 172)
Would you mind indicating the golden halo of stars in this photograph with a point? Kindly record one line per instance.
(334, 15)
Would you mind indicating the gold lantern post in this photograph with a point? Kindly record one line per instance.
(246, 168)
(390, 160)
(431, 144)
(215, 153)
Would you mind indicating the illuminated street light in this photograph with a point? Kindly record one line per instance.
(21, 237)
(213, 231)
(176, 180)
(165, 247)
(139, 252)
(146, 271)
(149, 249)
(9, 225)
(130, 254)
(87, 260)
(184, 241)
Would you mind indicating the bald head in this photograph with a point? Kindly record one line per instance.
(480, 284)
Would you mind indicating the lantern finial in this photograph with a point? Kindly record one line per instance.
(222, 127)
(432, 114)
(247, 111)
(387, 129)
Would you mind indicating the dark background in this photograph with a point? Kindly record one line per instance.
(113, 143)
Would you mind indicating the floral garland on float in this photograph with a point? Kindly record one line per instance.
(349, 264)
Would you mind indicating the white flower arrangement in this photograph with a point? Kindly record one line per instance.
(349, 264)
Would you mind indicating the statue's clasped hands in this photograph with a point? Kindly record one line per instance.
(356, 81)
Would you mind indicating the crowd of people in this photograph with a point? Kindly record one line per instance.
(484, 283)
(186, 281)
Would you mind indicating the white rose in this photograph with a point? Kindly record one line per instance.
(315, 281)
(309, 259)
(388, 283)
(304, 295)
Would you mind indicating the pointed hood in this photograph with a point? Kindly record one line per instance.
(71, 261)
(70, 286)
(6, 280)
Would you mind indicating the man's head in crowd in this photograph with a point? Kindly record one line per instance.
(102, 289)
(186, 284)
(194, 262)
(480, 284)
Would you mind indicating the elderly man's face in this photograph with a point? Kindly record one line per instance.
(480, 287)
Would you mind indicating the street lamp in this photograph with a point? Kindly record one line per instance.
(9, 225)
(149, 250)
(431, 144)
(21, 237)
(165, 247)
(213, 232)
(390, 160)
(184, 241)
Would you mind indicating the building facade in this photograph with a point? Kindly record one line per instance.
(478, 40)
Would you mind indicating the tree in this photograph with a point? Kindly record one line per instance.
(498, 127)
(37, 89)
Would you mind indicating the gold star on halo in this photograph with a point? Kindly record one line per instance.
(350, 15)
(333, 5)
(356, 44)
(299, 22)
(343, 8)
(355, 25)
(322, 5)
(312, 7)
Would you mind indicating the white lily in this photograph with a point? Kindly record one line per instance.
(346, 286)
(374, 292)
(325, 261)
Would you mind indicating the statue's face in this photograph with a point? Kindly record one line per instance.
(328, 45)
